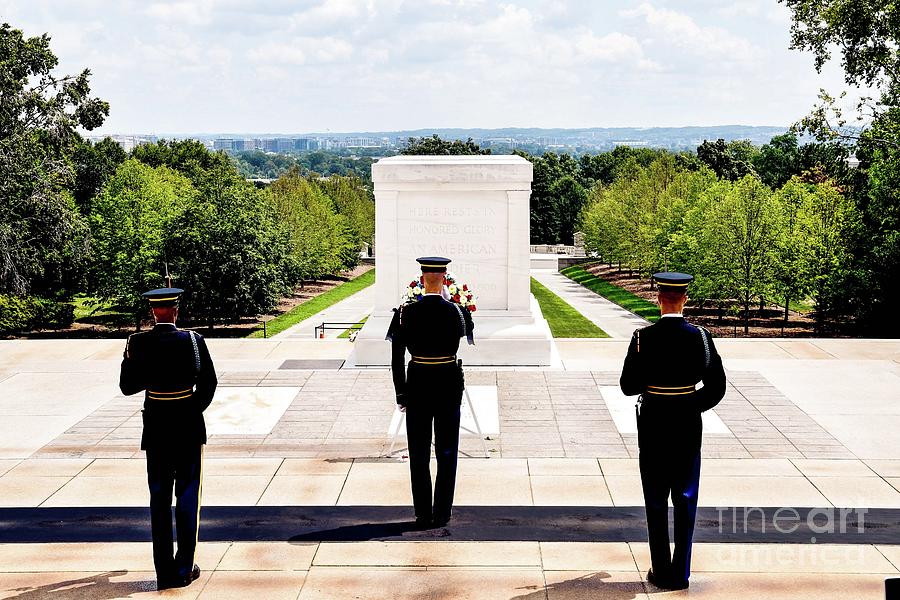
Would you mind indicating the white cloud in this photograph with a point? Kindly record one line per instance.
(311, 65)
(683, 31)
(193, 12)
(303, 50)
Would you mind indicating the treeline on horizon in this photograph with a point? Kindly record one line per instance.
(83, 218)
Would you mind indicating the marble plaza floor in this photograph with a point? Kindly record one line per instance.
(302, 498)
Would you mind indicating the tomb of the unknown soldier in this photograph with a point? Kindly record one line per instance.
(475, 209)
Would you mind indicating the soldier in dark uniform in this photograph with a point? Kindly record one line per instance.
(174, 370)
(666, 364)
(430, 390)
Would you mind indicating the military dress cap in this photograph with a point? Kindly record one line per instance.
(672, 282)
(433, 264)
(163, 296)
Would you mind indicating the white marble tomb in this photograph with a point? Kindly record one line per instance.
(475, 211)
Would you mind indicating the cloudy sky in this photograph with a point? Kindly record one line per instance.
(289, 66)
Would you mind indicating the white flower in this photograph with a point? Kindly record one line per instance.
(452, 289)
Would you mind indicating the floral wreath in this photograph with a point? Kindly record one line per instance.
(453, 291)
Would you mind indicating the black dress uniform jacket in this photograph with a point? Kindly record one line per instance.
(162, 363)
(430, 328)
(667, 358)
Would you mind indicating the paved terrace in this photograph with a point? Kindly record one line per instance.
(299, 500)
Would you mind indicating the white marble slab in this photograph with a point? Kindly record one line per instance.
(484, 401)
(621, 408)
(247, 410)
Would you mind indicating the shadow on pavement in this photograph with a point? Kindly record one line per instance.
(362, 532)
(587, 586)
(95, 587)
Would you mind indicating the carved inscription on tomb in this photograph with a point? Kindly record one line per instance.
(472, 232)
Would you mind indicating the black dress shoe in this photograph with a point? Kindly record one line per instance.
(654, 580)
(167, 583)
(423, 523)
(440, 521)
(665, 583)
(681, 584)
(184, 579)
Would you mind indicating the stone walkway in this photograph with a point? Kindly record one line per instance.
(305, 508)
(608, 316)
(349, 310)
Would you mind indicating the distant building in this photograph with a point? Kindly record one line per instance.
(128, 142)
(223, 144)
(362, 142)
(243, 145)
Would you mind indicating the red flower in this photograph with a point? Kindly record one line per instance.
(456, 297)
(412, 283)
(471, 308)
(465, 287)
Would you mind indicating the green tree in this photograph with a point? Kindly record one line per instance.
(212, 173)
(865, 34)
(94, 164)
(434, 145)
(568, 199)
(739, 236)
(42, 236)
(778, 161)
(549, 211)
(130, 224)
(352, 199)
(792, 265)
(732, 160)
(831, 219)
(231, 254)
(321, 238)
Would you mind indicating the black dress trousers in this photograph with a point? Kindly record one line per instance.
(444, 418)
(182, 468)
(669, 463)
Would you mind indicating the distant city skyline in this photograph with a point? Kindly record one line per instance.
(500, 140)
(343, 66)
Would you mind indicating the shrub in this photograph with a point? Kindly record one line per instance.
(25, 313)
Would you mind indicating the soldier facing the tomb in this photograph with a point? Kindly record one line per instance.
(175, 371)
(430, 391)
(665, 364)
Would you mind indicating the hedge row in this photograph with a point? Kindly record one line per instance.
(26, 313)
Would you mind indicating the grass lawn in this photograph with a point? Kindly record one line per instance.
(319, 303)
(804, 307)
(92, 311)
(613, 293)
(565, 321)
(346, 333)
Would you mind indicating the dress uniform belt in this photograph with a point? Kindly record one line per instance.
(176, 395)
(676, 390)
(433, 360)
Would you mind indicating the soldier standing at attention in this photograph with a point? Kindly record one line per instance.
(666, 364)
(431, 390)
(176, 373)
